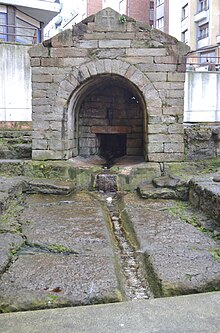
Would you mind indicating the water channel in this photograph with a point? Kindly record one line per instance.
(131, 261)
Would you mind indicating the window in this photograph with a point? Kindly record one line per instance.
(25, 32)
(203, 31)
(185, 12)
(160, 23)
(208, 57)
(3, 28)
(203, 5)
(185, 36)
(159, 2)
(152, 5)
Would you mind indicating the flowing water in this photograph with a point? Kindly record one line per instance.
(135, 282)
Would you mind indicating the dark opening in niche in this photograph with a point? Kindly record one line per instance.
(112, 146)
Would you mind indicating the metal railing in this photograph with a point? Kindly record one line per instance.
(204, 63)
(10, 31)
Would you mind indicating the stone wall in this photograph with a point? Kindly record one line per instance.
(77, 63)
(202, 141)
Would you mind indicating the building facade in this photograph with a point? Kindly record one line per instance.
(194, 22)
(142, 11)
(22, 21)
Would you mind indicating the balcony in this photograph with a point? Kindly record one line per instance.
(202, 15)
(41, 10)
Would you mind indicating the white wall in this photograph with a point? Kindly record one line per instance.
(15, 83)
(202, 97)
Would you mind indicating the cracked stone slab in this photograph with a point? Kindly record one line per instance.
(8, 243)
(55, 280)
(179, 253)
(48, 186)
(76, 222)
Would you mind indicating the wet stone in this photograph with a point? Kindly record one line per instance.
(47, 186)
(53, 280)
(75, 222)
(68, 255)
(9, 243)
(179, 254)
(147, 191)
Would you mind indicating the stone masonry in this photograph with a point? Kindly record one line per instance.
(108, 75)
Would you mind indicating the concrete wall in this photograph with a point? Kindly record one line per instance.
(202, 97)
(15, 83)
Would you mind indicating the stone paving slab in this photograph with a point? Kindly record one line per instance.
(68, 258)
(180, 254)
(8, 243)
(53, 280)
(49, 186)
(76, 222)
(183, 314)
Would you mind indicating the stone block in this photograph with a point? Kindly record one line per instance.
(166, 59)
(44, 78)
(87, 44)
(165, 157)
(169, 85)
(40, 125)
(146, 52)
(175, 101)
(68, 52)
(39, 144)
(157, 67)
(100, 67)
(92, 68)
(109, 53)
(40, 109)
(63, 39)
(38, 51)
(72, 62)
(139, 60)
(117, 43)
(157, 77)
(52, 62)
(176, 129)
(35, 62)
(175, 93)
(157, 128)
(56, 126)
(177, 77)
(38, 94)
(173, 147)
(67, 86)
(165, 138)
(173, 110)
(43, 155)
(41, 101)
(155, 147)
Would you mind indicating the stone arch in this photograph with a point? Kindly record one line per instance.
(80, 80)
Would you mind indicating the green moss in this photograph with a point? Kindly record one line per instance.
(216, 254)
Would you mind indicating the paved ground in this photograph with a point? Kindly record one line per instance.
(183, 314)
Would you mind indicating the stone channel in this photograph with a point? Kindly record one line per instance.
(64, 247)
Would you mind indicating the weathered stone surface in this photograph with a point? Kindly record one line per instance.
(147, 191)
(49, 186)
(53, 280)
(205, 194)
(139, 62)
(179, 254)
(8, 244)
(68, 256)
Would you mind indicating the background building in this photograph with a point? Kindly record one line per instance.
(23, 21)
(72, 13)
(195, 22)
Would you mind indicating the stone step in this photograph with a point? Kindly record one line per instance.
(148, 191)
(48, 186)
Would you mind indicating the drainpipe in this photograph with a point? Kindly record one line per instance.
(128, 7)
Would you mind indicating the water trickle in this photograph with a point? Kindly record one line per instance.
(136, 286)
(106, 182)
